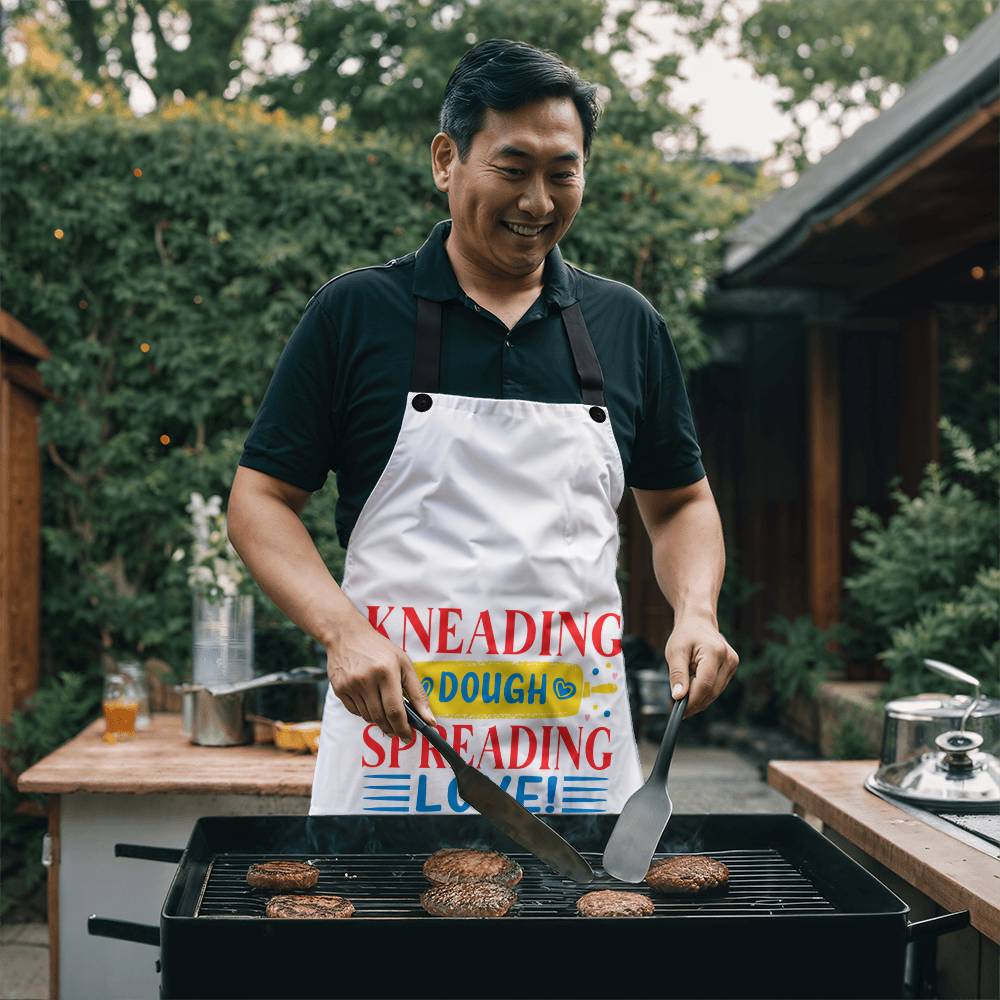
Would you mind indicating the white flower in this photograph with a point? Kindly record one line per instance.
(178, 555)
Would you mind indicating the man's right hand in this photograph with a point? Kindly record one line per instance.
(369, 675)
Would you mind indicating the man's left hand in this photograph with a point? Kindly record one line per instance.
(698, 655)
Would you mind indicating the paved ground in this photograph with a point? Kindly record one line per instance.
(702, 779)
(715, 780)
(24, 959)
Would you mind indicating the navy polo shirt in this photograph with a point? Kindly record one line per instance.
(336, 399)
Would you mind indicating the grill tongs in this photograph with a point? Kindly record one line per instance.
(505, 812)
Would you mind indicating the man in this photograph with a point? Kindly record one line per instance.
(484, 406)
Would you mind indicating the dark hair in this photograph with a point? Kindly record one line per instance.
(503, 75)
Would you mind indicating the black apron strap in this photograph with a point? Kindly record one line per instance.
(588, 368)
(427, 355)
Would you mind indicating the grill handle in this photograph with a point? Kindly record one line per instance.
(144, 853)
(435, 739)
(935, 926)
(123, 930)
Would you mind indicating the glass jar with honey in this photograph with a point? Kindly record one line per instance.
(121, 706)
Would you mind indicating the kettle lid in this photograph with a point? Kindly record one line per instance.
(938, 705)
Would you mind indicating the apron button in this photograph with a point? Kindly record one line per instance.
(422, 402)
(598, 414)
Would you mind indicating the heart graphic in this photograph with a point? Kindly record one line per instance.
(428, 685)
(614, 676)
(587, 718)
(563, 689)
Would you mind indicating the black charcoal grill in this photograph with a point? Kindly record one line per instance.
(798, 919)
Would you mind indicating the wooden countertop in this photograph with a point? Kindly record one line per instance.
(162, 759)
(954, 875)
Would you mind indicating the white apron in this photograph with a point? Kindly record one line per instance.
(487, 552)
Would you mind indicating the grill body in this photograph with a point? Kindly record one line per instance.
(800, 918)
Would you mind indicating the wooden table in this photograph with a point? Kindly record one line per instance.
(163, 759)
(149, 790)
(905, 852)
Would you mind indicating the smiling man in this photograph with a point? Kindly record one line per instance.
(484, 404)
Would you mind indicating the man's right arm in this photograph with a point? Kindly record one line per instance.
(367, 671)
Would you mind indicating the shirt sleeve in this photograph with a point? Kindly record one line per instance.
(294, 433)
(666, 454)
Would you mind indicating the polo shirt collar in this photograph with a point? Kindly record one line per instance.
(434, 277)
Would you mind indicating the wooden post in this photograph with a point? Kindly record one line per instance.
(920, 396)
(21, 393)
(55, 844)
(824, 488)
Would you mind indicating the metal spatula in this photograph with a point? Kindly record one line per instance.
(505, 812)
(644, 818)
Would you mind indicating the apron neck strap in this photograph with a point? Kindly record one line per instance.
(427, 357)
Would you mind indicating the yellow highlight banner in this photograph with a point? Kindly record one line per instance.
(497, 689)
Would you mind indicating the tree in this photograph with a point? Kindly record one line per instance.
(375, 65)
(838, 61)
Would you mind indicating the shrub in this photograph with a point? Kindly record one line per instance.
(52, 715)
(799, 659)
(166, 260)
(928, 584)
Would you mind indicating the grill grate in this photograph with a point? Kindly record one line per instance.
(761, 882)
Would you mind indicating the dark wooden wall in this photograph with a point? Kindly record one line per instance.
(753, 421)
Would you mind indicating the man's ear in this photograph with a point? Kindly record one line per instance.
(443, 156)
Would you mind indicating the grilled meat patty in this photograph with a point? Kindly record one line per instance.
(462, 864)
(283, 876)
(311, 907)
(688, 874)
(468, 899)
(614, 903)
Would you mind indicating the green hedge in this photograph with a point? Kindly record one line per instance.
(202, 232)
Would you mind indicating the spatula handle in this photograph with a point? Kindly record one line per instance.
(662, 764)
(435, 739)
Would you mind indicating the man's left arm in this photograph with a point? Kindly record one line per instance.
(689, 561)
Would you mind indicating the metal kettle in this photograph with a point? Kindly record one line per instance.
(941, 750)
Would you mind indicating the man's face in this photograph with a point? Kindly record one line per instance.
(524, 170)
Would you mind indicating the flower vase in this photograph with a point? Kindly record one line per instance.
(222, 640)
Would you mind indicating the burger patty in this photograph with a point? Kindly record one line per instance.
(283, 875)
(461, 864)
(614, 903)
(312, 907)
(688, 874)
(468, 899)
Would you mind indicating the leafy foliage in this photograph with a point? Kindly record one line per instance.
(53, 714)
(165, 261)
(838, 64)
(927, 585)
(374, 66)
(963, 631)
(799, 658)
